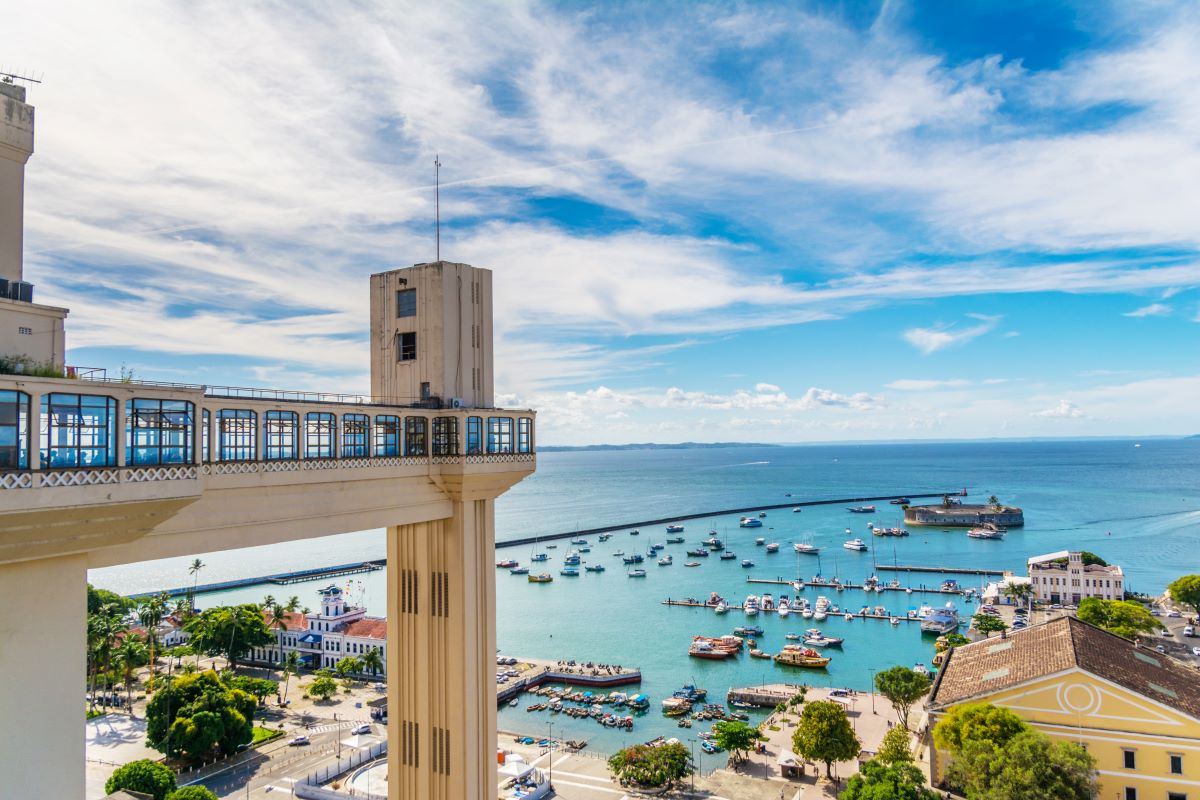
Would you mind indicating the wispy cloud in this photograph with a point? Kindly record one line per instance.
(918, 385)
(1064, 410)
(930, 340)
(1152, 310)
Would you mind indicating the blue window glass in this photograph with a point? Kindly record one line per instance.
(78, 430)
(415, 443)
(14, 430)
(158, 431)
(237, 434)
(206, 421)
(500, 435)
(356, 434)
(406, 303)
(474, 435)
(524, 435)
(386, 435)
(320, 434)
(281, 432)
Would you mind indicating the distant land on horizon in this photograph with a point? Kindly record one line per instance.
(720, 445)
(652, 446)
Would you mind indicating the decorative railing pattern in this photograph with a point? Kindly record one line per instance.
(166, 473)
(80, 477)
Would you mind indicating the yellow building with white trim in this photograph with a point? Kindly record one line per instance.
(1135, 710)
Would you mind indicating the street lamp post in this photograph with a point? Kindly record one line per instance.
(693, 741)
(873, 692)
(550, 725)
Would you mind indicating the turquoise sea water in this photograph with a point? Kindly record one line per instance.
(1135, 506)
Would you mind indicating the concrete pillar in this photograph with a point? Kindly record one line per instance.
(35, 429)
(43, 662)
(441, 656)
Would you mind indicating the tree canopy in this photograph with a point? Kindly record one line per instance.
(652, 766)
(1029, 766)
(98, 598)
(1186, 591)
(976, 722)
(192, 793)
(824, 734)
(987, 624)
(879, 781)
(229, 631)
(896, 747)
(192, 714)
(736, 736)
(903, 687)
(1122, 617)
(261, 688)
(144, 776)
(323, 685)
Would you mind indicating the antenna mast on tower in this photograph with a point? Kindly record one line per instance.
(437, 204)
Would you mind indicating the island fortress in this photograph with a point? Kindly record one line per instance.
(951, 514)
(97, 471)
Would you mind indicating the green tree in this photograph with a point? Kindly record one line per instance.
(229, 631)
(896, 747)
(987, 624)
(1087, 557)
(737, 737)
(824, 734)
(1122, 617)
(98, 598)
(142, 776)
(150, 614)
(171, 724)
(1020, 593)
(902, 687)
(192, 793)
(1029, 766)
(279, 614)
(260, 688)
(323, 686)
(348, 665)
(373, 660)
(994, 501)
(130, 655)
(651, 766)
(976, 722)
(879, 781)
(291, 666)
(1186, 591)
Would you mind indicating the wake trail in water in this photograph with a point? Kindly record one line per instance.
(1142, 516)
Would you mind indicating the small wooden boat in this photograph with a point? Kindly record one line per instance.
(692, 564)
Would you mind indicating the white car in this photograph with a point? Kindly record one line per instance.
(1164, 632)
(364, 728)
(296, 741)
(1174, 613)
(1154, 612)
(1196, 651)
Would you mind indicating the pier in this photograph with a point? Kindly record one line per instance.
(946, 570)
(724, 512)
(843, 612)
(834, 586)
(766, 696)
(281, 578)
(539, 671)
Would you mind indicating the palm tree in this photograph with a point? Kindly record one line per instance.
(110, 628)
(194, 571)
(994, 501)
(373, 661)
(291, 666)
(131, 654)
(150, 614)
(1020, 592)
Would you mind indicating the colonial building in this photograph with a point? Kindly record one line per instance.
(1135, 710)
(1062, 577)
(323, 639)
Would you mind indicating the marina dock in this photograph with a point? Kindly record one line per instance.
(946, 570)
(829, 585)
(539, 671)
(843, 612)
(766, 696)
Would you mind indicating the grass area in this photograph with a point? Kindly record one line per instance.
(93, 713)
(264, 735)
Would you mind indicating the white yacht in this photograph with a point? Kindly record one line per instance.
(855, 544)
(722, 607)
(751, 606)
(750, 522)
(666, 560)
(944, 620)
(808, 548)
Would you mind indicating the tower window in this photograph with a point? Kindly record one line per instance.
(1130, 759)
(406, 349)
(406, 303)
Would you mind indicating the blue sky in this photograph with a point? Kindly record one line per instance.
(781, 222)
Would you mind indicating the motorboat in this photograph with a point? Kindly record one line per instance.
(855, 544)
(762, 513)
(674, 540)
(767, 602)
(604, 537)
(747, 563)
(676, 706)
(540, 557)
(900, 501)
(551, 547)
(581, 542)
(507, 563)
(659, 546)
(748, 630)
(666, 560)
(792, 637)
(807, 613)
(594, 568)
(819, 614)
(722, 607)
(543, 577)
(636, 558)
(759, 542)
(570, 572)
(619, 553)
(773, 547)
(784, 607)
(634, 533)
(519, 571)
(756, 653)
(692, 564)
(750, 607)
(572, 559)
(806, 547)
(942, 621)
(637, 573)
(796, 510)
(921, 669)
(749, 522)
(862, 510)
(703, 648)
(818, 639)
(699, 552)
(713, 543)
(674, 529)
(984, 533)
(794, 655)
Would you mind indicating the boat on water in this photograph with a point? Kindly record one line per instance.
(722, 607)
(507, 563)
(855, 544)
(572, 559)
(635, 533)
(796, 510)
(570, 572)
(728, 555)
(814, 638)
(676, 706)
(921, 669)
(542, 577)
(773, 547)
(674, 529)
(748, 630)
(540, 557)
(750, 606)
(794, 655)
(759, 542)
(690, 691)
(749, 522)
(767, 602)
(942, 621)
(985, 533)
(747, 563)
(666, 560)
(579, 541)
(862, 510)
(637, 573)
(699, 552)
(604, 537)
(705, 649)
(900, 501)
(808, 548)
(636, 558)
(820, 614)
(594, 568)
(551, 547)
(674, 540)
(519, 571)
(692, 564)
(756, 653)
(713, 544)
(951, 586)
(783, 608)
(792, 637)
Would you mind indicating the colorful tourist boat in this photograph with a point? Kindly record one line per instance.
(507, 563)
(674, 529)
(749, 522)
(570, 572)
(543, 577)
(540, 557)
(794, 655)
(944, 620)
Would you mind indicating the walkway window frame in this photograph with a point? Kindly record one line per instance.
(78, 431)
(445, 436)
(281, 436)
(474, 435)
(524, 435)
(14, 430)
(356, 435)
(500, 434)
(237, 434)
(416, 442)
(159, 431)
(205, 434)
(386, 436)
(320, 435)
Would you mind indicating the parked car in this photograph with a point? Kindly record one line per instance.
(1174, 613)
(1164, 632)
(1056, 606)
(1154, 612)
(1196, 651)
(1161, 649)
(1189, 630)
(296, 741)
(364, 728)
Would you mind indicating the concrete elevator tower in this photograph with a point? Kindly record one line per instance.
(431, 327)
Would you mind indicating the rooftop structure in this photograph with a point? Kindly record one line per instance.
(1062, 577)
(1074, 681)
(96, 472)
(962, 515)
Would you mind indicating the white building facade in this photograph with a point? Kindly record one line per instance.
(323, 639)
(1056, 582)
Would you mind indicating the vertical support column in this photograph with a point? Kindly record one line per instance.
(43, 644)
(35, 430)
(441, 656)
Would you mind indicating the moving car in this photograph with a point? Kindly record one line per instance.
(296, 741)
(364, 728)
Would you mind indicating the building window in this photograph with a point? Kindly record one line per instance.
(1130, 793)
(158, 431)
(406, 303)
(414, 436)
(1176, 796)
(1130, 759)
(206, 422)
(524, 435)
(474, 435)
(282, 435)
(14, 430)
(387, 435)
(445, 436)
(78, 430)
(236, 434)
(500, 432)
(320, 430)
(356, 434)
(1176, 764)
(406, 346)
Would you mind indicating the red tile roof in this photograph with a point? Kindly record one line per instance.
(367, 628)
(294, 620)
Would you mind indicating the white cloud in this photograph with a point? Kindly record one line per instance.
(930, 340)
(1152, 310)
(766, 387)
(1064, 410)
(919, 385)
